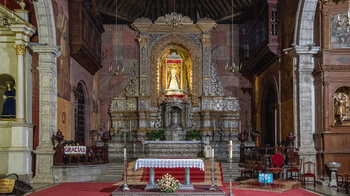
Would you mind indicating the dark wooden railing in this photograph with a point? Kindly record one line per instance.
(262, 154)
(94, 154)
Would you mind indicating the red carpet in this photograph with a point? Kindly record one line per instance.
(105, 189)
(197, 175)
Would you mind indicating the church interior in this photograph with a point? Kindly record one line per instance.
(212, 96)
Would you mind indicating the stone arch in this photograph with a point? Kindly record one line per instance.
(46, 22)
(48, 52)
(304, 28)
(171, 41)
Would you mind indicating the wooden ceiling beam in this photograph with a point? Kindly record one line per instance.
(227, 5)
(110, 5)
(210, 6)
(206, 10)
(230, 16)
(219, 8)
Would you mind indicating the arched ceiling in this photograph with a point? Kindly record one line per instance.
(129, 10)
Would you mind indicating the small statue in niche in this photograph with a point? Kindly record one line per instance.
(9, 108)
(341, 108)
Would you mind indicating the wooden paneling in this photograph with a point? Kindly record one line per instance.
(85, 34)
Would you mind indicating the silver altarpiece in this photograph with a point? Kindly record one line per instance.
(174, 87)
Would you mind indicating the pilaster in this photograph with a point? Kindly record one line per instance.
(304, 101)
(47, 111)
(206, 25)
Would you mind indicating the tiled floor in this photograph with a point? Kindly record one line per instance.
(324, 190)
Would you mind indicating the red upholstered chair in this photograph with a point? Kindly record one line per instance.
(309, 171)
(277, 162)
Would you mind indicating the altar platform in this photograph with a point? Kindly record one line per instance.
(138, 190)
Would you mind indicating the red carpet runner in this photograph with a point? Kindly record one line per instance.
(197, 175)
(105, 189)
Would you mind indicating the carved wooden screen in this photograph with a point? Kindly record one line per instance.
(79, 115)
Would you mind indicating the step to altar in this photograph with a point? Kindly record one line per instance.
(138, 190)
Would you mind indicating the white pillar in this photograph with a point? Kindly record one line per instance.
(20, 95)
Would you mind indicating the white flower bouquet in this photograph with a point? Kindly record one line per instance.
(168, 184)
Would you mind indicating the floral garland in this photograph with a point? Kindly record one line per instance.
(168, 184)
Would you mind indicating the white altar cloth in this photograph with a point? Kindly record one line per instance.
(169, 163)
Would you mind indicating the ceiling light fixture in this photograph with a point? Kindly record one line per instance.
(117, 69)
(232, 67)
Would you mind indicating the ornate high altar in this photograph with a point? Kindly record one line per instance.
(175, 87)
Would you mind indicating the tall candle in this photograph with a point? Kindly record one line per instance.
(130, 126)
(214, 124)
(240, 126)
(212, 153)
(230, 146)
(124, 153)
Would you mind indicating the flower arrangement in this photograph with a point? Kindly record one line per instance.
(168, 184)
(156, 135)
(192, 134)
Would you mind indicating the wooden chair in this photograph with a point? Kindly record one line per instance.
(309, 171)
(248, 169)
(277, 162)
(343, 181)
(294, 169)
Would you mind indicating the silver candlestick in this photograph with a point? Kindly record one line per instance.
(212, 187)
(125, 186)
(230, 191)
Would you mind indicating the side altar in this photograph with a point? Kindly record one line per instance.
(174, 87)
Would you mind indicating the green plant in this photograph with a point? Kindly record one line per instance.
(156, 135)
(168, 184)
(192, 134)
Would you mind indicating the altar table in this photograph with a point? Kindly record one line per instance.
(169, 163)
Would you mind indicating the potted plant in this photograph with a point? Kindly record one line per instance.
(156, 135)
(168, 184)
(192, 135)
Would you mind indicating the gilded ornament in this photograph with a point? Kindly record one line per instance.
(20, 49)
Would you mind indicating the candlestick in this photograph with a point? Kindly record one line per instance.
(125, 187)
(230, 146)
(212, 187)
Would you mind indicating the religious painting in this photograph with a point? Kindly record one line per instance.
(8, 98)
(341, 106)
(340, 31)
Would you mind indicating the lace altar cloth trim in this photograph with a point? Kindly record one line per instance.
(171, 142)
(169, 163)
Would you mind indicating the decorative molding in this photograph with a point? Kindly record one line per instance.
(173, 19)
(20, 48)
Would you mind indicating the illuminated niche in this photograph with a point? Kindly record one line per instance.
(175, 72)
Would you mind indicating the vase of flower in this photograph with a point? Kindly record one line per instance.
(167, 184)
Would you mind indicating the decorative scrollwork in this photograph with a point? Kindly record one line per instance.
(216, 88)
(132, 90)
